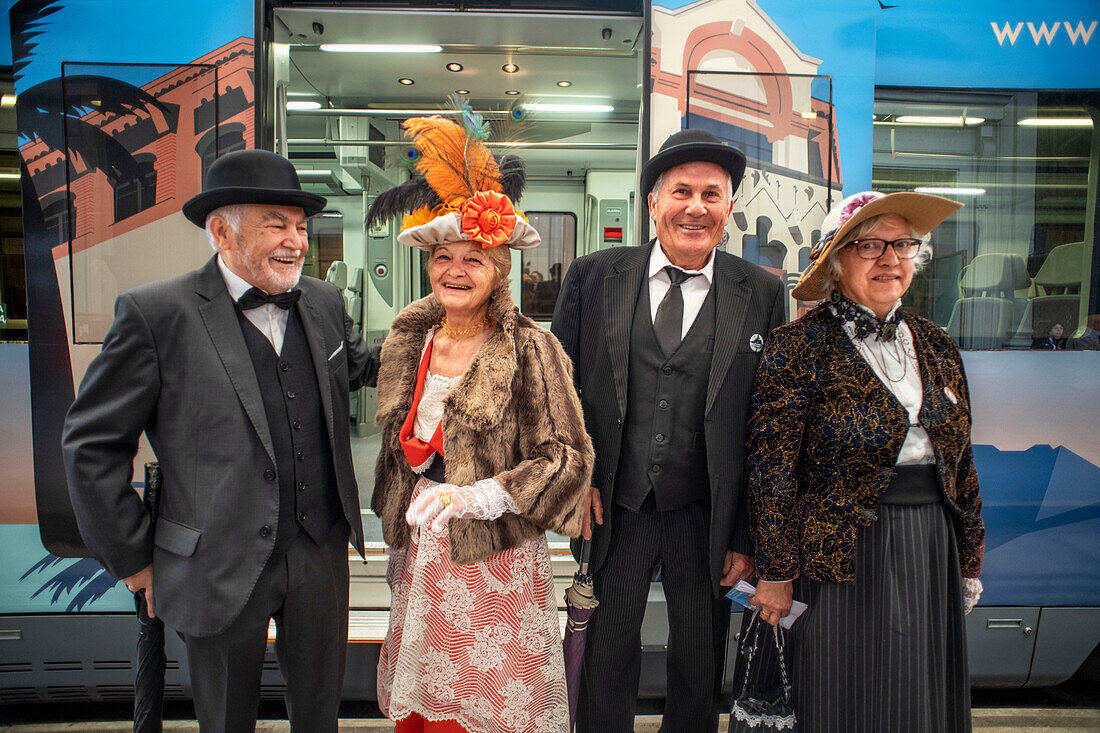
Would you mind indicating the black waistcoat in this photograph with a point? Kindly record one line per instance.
(308, 497)
(664, 448)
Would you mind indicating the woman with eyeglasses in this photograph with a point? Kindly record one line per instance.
(862, 490)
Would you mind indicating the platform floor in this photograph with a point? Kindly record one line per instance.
(988, 720)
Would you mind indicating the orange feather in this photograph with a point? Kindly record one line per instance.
(455, 165)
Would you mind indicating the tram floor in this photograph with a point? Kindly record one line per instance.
(986, 720)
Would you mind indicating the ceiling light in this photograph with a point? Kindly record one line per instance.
(406, 81)
(7, 100)
(302, 104)
(454, 66)
(512, 92)
(1056, 122)
(13, 176)
(564, 83)
(509, 68)
(569, 108)
(945, 191)
(926, 120)
(462, 91)
(313, 173)
(380, 48)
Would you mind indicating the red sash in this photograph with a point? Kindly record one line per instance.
(417, 452)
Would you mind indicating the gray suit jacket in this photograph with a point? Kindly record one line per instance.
(593, 319)
(174, 365)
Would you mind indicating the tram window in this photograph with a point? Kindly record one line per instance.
(1017, 267)
(326, 243)
(545, 266)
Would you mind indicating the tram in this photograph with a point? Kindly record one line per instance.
(120, 107)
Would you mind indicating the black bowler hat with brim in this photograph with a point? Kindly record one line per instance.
(690, 146)
(250, 177)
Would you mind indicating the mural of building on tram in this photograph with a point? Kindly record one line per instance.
(135, 154)
(725, 67)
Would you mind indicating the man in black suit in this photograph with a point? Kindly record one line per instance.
(665, 339)
(239, 375)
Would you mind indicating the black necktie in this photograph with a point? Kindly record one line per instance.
(669, 323)
(254, 298)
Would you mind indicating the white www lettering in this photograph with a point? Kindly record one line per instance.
(1007, 32)
(1042, 32)
(1080, 31)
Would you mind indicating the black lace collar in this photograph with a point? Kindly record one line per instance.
(863, 321)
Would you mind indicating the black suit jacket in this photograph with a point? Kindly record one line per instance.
(593, 320)
(175, 365)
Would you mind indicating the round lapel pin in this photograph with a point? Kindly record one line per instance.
(756, 342)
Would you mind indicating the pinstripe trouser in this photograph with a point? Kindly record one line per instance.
(678, 540)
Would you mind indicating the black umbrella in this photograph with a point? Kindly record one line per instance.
(580, 602)
(149, 681)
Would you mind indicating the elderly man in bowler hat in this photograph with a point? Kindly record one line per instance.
(239, 374)
(665, 338)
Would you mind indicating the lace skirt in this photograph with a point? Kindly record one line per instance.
(478, 644)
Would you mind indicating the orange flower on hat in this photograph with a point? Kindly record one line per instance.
(488, 217)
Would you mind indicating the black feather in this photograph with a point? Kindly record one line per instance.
(513, 176)
(402, 199)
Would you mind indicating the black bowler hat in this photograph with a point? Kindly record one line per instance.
(690, 146)
(250, 177)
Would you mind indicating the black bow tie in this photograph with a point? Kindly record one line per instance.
(254, 298)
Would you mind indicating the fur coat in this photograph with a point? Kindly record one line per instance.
(514, 416)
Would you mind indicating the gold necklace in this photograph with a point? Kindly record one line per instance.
(464, 333)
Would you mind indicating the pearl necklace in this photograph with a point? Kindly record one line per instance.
(465, 333)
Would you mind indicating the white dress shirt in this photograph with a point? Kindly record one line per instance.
(269, 318)
(695, 289)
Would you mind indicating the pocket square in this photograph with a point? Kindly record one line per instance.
(338, 350)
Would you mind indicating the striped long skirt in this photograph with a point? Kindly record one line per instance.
(887, 653)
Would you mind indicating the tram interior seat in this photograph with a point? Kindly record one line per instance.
(985, 313)
(1057, 297)
(355, 296)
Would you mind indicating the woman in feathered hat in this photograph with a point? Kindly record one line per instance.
(863, 498)
(484, 449)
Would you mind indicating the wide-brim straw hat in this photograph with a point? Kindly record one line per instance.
(923, 211)
(448, 228)
(250, 177)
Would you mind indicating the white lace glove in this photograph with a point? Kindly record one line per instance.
(972, 591)
(486, 499)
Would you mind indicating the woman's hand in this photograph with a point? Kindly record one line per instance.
(774, 600)
(485, 499)
(595, 509)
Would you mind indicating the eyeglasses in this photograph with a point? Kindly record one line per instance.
(872, 249)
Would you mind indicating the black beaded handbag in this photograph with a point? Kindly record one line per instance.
(764, 702)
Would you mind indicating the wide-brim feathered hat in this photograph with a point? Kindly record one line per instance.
(465, 194)
(250, 177)
(691, 146)
(923, 211)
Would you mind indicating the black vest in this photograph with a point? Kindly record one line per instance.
(664, 448)
(308, 497)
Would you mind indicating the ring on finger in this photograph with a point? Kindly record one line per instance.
(445, 499)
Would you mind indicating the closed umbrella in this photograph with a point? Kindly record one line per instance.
(580, 602)
(149, 681)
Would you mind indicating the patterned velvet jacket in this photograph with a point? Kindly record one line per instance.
(514, 416)
(824, 437)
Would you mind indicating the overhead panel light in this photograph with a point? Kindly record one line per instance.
(1056, 122)
(381, 48)
(302, 104)
(313, 173)
(7, 100)
(926, 120)
(9, 176)
(540, 107)
(946, 191)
